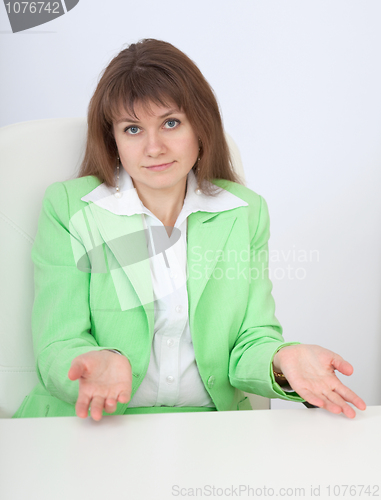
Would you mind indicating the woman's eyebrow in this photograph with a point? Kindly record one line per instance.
(127, 119)
(133, 120)
(171, 112)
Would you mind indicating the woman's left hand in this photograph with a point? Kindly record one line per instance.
(310, 371)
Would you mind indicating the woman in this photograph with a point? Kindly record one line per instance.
(152, 288)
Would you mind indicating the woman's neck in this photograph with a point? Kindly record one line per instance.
(165, 205)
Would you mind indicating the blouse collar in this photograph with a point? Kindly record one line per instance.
(130, 204)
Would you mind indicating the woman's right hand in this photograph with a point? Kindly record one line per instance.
(105, 378)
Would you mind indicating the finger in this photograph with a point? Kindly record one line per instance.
(311, 398)
(342, 366)
(335, 399)
(110, 405)
(96, 407)
(350, 396)
(77, 369)
(111, 401)
(328, 404)
(124, 396)
(82, 406)
(334, 403)
(320, 400)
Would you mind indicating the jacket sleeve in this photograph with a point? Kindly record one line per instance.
(260, 336)
(61, 320)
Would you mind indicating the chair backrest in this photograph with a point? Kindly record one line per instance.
(33, 155)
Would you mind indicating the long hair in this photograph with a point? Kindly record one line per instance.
(155, 71)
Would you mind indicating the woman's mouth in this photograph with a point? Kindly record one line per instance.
(158, 168)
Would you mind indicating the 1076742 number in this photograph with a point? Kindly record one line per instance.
(351, 490)
(33, 7)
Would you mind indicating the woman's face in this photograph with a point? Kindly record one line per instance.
(158, 149)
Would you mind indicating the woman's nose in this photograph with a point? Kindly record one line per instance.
(154, 144)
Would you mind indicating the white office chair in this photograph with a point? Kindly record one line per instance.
(33, 155)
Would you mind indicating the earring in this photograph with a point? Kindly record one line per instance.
(118, 194)
(198, 190)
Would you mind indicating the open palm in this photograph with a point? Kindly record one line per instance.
(310, 371)
(104, 379)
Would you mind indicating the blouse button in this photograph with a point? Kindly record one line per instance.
(170, 342)
(170, 379)
(178, 309)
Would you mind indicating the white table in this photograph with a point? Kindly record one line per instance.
(167, 456)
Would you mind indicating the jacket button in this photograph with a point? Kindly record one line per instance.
(211, 381)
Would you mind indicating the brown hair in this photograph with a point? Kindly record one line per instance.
(155, 71)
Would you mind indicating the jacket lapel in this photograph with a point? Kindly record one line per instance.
(125, 236)
(207, 236)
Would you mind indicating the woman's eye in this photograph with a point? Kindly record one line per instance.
(171, 123)
(132, 130)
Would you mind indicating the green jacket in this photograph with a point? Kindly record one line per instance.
(88, 297)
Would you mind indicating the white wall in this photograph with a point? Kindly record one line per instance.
(299, 86)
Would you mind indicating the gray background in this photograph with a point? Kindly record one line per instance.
(299, 87)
